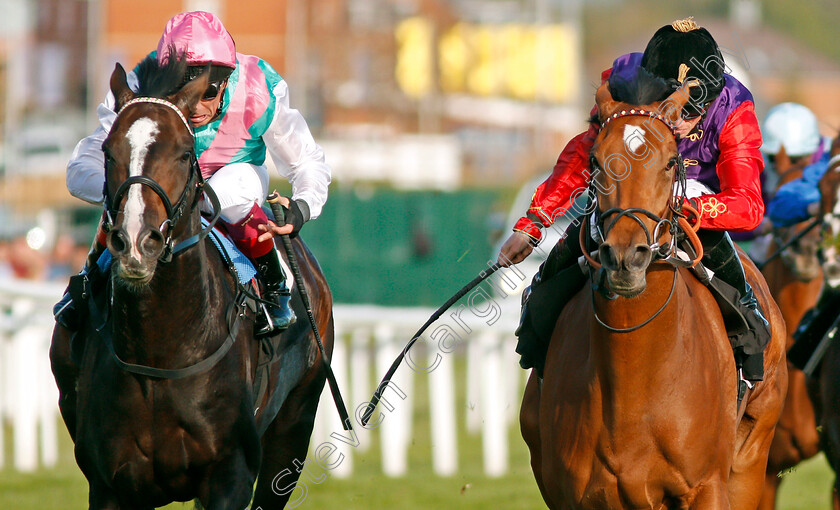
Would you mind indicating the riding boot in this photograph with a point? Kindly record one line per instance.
(813, 327)
(65, 311)
(558, 279)
(276, 294)
(748, 329)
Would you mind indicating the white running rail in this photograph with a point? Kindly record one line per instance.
(481, 396)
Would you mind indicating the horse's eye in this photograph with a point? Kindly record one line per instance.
(672, 163)
(186, 156)
(593, 164)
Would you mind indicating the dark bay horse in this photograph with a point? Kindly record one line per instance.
(794, 280)
(162, 404)
(638, 406)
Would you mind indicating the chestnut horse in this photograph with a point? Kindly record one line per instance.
(794, 279)
(162, 404)
(638, 407)
(824, 386)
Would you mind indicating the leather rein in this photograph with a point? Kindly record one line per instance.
(676, 224)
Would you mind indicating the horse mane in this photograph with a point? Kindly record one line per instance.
(161, 80)
(643, 89)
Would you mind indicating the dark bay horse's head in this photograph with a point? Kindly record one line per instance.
(634, 164)
(830, 211)
(150, 167)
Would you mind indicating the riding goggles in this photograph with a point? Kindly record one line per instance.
(212, 90)
(691, 111)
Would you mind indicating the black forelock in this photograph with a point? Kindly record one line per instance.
(643, 89)
(158, 80)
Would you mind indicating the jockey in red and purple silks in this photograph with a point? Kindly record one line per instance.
(721, 155)
(719, 140)
(244, 111)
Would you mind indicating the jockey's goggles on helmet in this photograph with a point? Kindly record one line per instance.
(212, 91)
(691, 111)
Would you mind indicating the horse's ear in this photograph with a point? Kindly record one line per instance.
(782, 159)
(119, 87)
(186, 98)
(604, 101)
(671, 108)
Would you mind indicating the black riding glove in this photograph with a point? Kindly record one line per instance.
(296, 215)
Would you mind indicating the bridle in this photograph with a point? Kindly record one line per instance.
(235, 311)
(174, 212)
(676, 224)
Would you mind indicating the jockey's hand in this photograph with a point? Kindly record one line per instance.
(272, 230)
(294, 221)
(517, 247)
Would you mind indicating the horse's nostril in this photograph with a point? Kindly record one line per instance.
(151, 243)
(640, 257)
(608, 258)
(117, 241)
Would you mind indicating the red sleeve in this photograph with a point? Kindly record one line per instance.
(738, 207)
(567, 181)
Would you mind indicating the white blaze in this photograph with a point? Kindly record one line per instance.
(634, 137)
(140, 136)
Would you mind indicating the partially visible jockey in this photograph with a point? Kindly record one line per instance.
(719, 140)
(244, 111)
(795, 128)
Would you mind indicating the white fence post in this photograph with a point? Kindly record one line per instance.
(473, 393)
(494, 426)
(442, 413)
(339, 367)
(360, 376)
(395, 430)
(24, 392)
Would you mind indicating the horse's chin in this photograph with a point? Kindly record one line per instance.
(806, 273)
(626, 284)
(831, 271)
(134, 278)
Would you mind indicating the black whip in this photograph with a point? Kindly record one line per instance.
(377, 395)
(814, 222)
(280, 219)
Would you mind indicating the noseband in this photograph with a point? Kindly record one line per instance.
(173, 212)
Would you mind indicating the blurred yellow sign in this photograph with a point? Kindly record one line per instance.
(414, 72)
(526, 62)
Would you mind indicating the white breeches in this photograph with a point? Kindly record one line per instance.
(239, 186)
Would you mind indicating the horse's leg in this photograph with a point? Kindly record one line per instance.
(755, 434)
(229, 485)
(66, 374)
(101, 497)
(529, 422)
(711, 497)
(768, 495)
(285, 446)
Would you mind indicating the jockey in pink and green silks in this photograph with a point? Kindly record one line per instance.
(244, 111)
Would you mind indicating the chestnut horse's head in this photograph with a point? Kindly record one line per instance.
(150, 166)
(636, 169)
(830, 210)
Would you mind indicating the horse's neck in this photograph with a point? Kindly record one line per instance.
(182, 293)
(633, 359)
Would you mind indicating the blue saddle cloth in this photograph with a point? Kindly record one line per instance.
(244, 269)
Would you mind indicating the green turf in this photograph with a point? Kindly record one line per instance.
(63, 487)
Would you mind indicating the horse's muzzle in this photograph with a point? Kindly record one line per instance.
(626, 267)
(137, 258)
